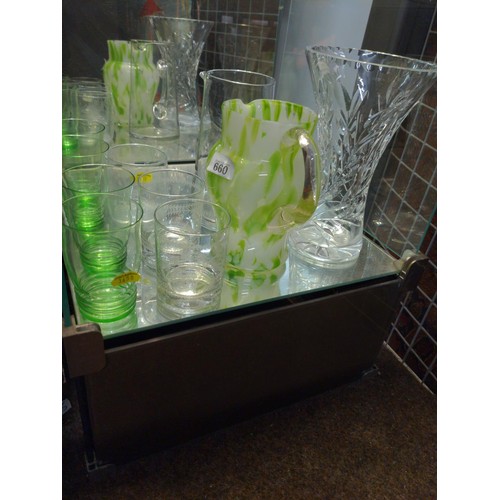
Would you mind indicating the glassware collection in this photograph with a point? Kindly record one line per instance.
(145, 241)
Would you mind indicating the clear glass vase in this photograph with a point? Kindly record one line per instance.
(362, 96)
(185, 39)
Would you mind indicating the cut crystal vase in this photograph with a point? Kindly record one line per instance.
(362, 97)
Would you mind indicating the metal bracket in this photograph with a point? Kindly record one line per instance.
(84, 348)
(411, 266)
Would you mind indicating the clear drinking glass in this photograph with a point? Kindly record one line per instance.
(102, 254)
(93, 104)
(70, 85)
(137, 158)
(156, 188)
(191, 244)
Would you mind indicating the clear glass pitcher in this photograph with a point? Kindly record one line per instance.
(185, 39)
(265, 171)
(220, 85)
(153, 95)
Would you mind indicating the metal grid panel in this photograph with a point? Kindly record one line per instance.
(404, 203)
(406, 194)
(243, 36)
(413, 336)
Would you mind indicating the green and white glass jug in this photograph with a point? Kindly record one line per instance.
(265, 170)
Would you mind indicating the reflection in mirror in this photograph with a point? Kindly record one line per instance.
(266, 36)
(240, 38)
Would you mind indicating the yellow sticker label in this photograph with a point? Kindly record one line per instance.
(144, 177)
(126, 278)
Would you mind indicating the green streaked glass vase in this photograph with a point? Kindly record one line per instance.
(116, 76)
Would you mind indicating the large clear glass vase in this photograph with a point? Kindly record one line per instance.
(363, 96)
(185, 39)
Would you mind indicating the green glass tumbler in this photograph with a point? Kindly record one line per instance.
(102, 254)
(97, 178)
(78, 133)
(84, 154)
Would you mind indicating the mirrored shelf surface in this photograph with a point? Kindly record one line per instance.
(298, 280)
(179, 150)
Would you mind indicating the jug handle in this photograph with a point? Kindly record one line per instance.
(312, 175)
(165, 76)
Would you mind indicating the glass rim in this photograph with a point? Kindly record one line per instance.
(148, 147)
(219, 209)
(104, 147)
(76, 80)
(396, 61)
(268, 80)
(99, 127)
(89, 166)
(91, 90)
(141, 181)
(137, 220)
